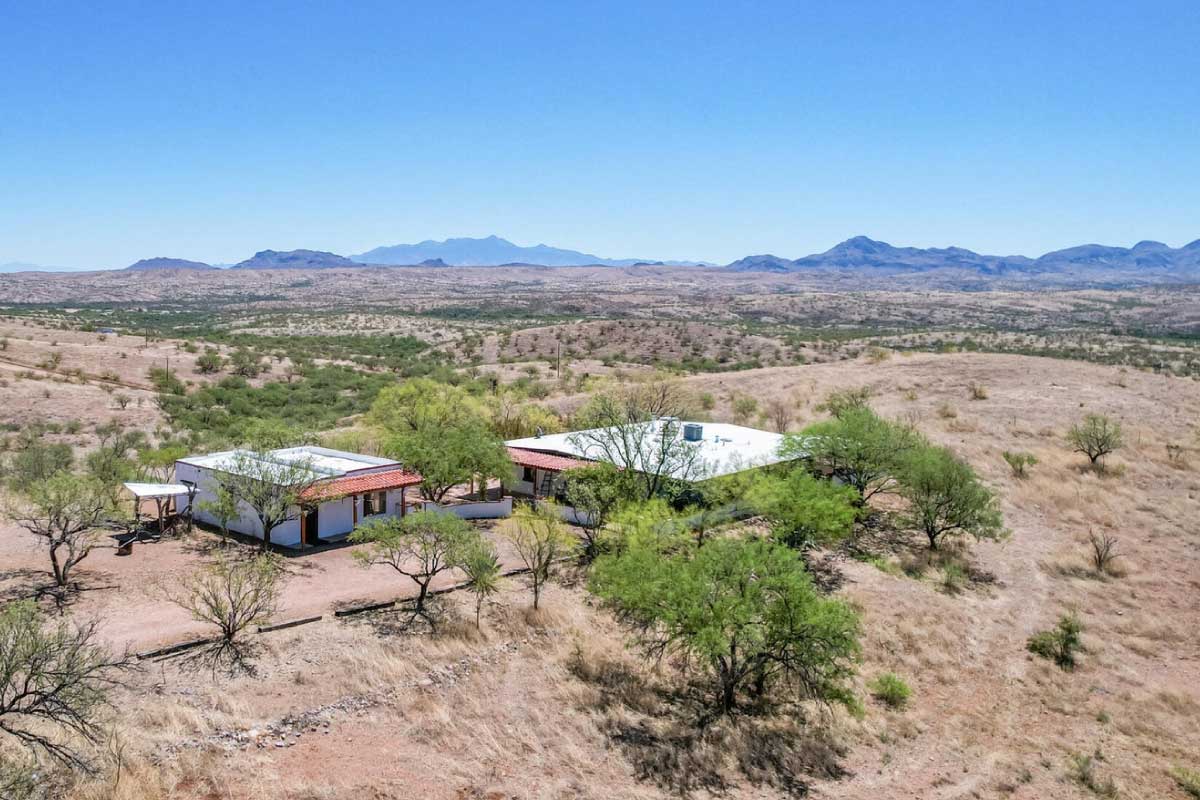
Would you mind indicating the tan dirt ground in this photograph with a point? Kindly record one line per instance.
(987, 719)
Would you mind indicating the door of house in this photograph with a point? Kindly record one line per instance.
(310, 526)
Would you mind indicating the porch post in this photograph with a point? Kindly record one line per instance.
(403, 505)
(354, 505)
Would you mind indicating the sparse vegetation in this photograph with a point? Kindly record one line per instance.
(891, 690)
(1061, 644)
(1103, 552)
(1096, 436)
(1019, 462)
(231, 594)
(1187, 780)
(540, 539)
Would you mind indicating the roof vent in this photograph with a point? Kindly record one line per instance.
(693, 432)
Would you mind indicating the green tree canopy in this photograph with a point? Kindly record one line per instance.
(804, 511)
(945, 497)
(742, 611)
(1096, 436)
(441, 432)
(596, 492)
(859, 447)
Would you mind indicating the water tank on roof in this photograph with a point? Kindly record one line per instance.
(693, 432)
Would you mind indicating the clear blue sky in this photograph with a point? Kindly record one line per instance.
(665, 130)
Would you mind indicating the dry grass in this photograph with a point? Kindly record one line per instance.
(553, 705)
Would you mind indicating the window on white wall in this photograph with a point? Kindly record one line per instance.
(374, 503)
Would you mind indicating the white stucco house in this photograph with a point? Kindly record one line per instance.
(714, 450)
(345, 489)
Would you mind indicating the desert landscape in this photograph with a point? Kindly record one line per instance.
(555, 702)
(568, 401)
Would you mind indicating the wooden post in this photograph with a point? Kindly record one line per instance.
(354, 505)
(403, 505)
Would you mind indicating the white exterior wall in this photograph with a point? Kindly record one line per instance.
(287, 534)
(335, 518)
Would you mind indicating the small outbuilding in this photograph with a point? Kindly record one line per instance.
(341, 490)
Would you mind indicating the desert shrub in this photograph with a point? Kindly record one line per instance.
(1103, 553)
(804, 511)
(54, 686)
(209, 362)
(1096, 436)
(953, 578)
(891, 690)
(1187, 780)
(231, 594)
(1083, 771)
(165, 382)
(1019, 462)
(744, 407)
(977, 391)
(540, 538)
(840, 401)
(1175, 455)
(1061, 643)
(858, 446)
(707, 401)
(947, 411)
(419, 546)
(779, 412)
(877, 355)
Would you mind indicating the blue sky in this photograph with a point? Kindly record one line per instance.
(656, 130)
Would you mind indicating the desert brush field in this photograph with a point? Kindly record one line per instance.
(557, 702)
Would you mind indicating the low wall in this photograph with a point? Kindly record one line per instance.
(475, 509)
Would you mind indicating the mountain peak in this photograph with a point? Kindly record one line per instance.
(294, 259)
(163, 262)
(490, 251)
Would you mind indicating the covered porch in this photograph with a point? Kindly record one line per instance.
(332, 509)
(538, 474)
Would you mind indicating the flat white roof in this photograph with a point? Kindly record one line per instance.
(723, 448)
(321, 461)
(140, 490)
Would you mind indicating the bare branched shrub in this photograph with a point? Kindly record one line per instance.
(54, 683)
(1103, 553)
(977, 391)
(779, 412)
(231, 594)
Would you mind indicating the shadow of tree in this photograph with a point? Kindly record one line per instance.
(673, 738)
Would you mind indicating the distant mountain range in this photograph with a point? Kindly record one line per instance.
(1090, 264)
(168, 263)
(1145, 260)
(25, 266)
(493, 251)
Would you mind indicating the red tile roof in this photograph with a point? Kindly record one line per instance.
(532, 458)
(358, 484)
